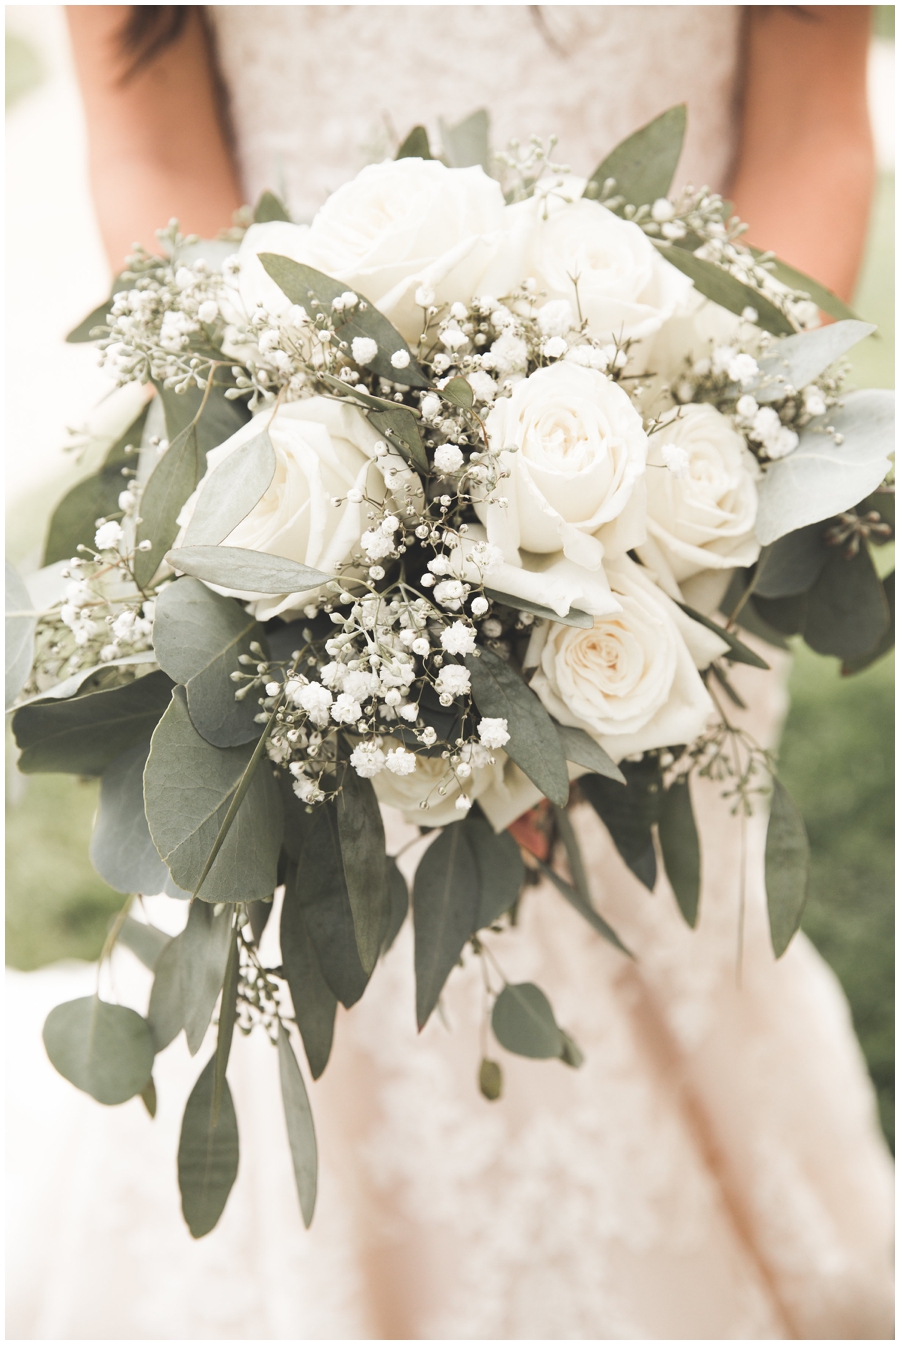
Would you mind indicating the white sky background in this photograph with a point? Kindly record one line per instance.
(56, 270)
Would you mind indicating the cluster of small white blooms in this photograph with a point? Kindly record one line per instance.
(764, 427)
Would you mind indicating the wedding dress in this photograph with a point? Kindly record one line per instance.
(714, 1170)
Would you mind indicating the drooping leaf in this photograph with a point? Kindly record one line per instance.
(269, 208)
(490, 1080)
(165, 1016)
(207, 1155)
(148, 1097)
(321, 889)
(584, 908)
(145, 941)
(446, 902)
(246, 571)
(199, 637)
(501, 870)
(799, 359)
(189, 788)
(361, 834)
(571, 1053)
(796, 280)
(523, 1022)
(103, 1049)
(738, 652)
(680, 847)
(846, 613)
(69, 685)
(400, 429)
(581, 748)
(458, 392)
(314, 1002)
(174, 478)
(258, 913)
(21, 621)
(230, 492)
(629, 813)
(82, 735)
(715, 283)
(122, 849)
(467, 144)
(227, 1019)
(305, 286)
(202, 958)
(415, 146)
(821, 477)
(566, 833)
(300, 1129)
(787, 868)
(534, 745)
(885, 644)
(398, 905)
(792, 564)
(643, 165)
(572, 618)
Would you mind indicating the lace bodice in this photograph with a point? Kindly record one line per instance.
(318, 91)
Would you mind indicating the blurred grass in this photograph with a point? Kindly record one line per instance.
(23, 71)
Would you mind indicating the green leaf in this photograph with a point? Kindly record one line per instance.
(300, 1129)
(629, 813)
(490, 1080)
(822, 478)
(582, 905)
(309, 288)
(357, 396)
(523, 1022)
(202, 959)
(148, 1097)
(787, 868)
(458, 392)
(748, 618)
(199, 637)
(467, 144)
(792, 564)
(165, 1016)
(21, 621)
(534, 745)
(314, 1002)
(643, 165)
(85, 329)
(501, 871)
(321, 889)
(415, 146)
(189, 789)
(401, 431)
(566, 833)
(446, 902)
(227, 1019)
(680, 846)
(246, 571)
(738, 652)
(572, 618)
(214, 416)
(65, 689)
(571, 1053)
(269, 208)
(122, 849)
(103, 1049)
(398, 904)
(782, 614)
(584, 750)
(207, 1155)
(796, 280)
(846, 614)
(885, 644)
(799, 359)
(724, 289)
(73, 522)
(361, 834)
(175, 476)
(229, 493)
(82, 735)
(145, 941)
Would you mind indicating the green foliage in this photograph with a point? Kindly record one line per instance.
(103, 1049)
(584, 750)
(466, 144)
(579, 898)
(446, 903)
(415, 146)
(643, 166)
(501, 869)
(203, 947)
(523, 1022)
(797, 360)
(227, 1018)
(145, 941)
(737, 650)
(315, 1004)
(20, 628)
(400, 429)
(787, 868)
(165, 1015)
(231, 491)
(321, 889)
(300, 1129)
(572, 618)
(680, 847)
(207, 1155)
(458, 392)
(269, 208)
(122, 849)
(797, 280)
(715, 283)
(397, 905)
(361, 835)
(246, 571)
(629, 813)
(500, 693)
(792, 564)
(490, 1080)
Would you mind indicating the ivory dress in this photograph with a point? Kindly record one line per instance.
(715, 1169)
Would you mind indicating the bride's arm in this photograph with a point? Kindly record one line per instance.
(806, 165)
(156, 142)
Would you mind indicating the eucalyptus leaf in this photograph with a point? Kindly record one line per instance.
(246, 571)
(174, 478)
(566, 833)
(68, 687)
(715, 283)
(490, 1080)
(122, 849)
(202, 959)
(781, 614)
(499, 692)
(21, 621)
(846, 612)
(189, 787)
(822, 478)
(355, 395)
(458, 392)
(300, 1129)
(165, 1016)
(738, 652)
(797, 360)
(148, 1097)
(885, 644)
(792, 564)
(680, 847)
(227, 1019)
(467, 144)
(446, 904)
(215, 417)
(415, 146)
(584, 908)
(82, 735)
(501, 870)
(269, 208)
(584, 750)
(87, 329)
(321, 889)
(573, 617)
(229, 493)
(523, 1022)
(361, 834)
(571, 1053)
(145, 941)
(199, 637)
(787, 868)
(629, 813)
(400, 429)
(643, 166)
(796, 280)
(103, 1049)
(315, 1004)
(398, 904)
(207, 1155)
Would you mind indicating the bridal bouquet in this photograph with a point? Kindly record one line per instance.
(460, 499)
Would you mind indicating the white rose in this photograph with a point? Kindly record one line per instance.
(631, 682)
(322, 451)
(695, 331)
(255, 287)
(702, 519)
(576, 475)
(407, 792)
(625, 288)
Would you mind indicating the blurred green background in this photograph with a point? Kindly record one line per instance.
(836, 759)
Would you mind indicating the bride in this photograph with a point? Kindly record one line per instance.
(714, 1170)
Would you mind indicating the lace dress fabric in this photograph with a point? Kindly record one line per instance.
(714, 1170)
